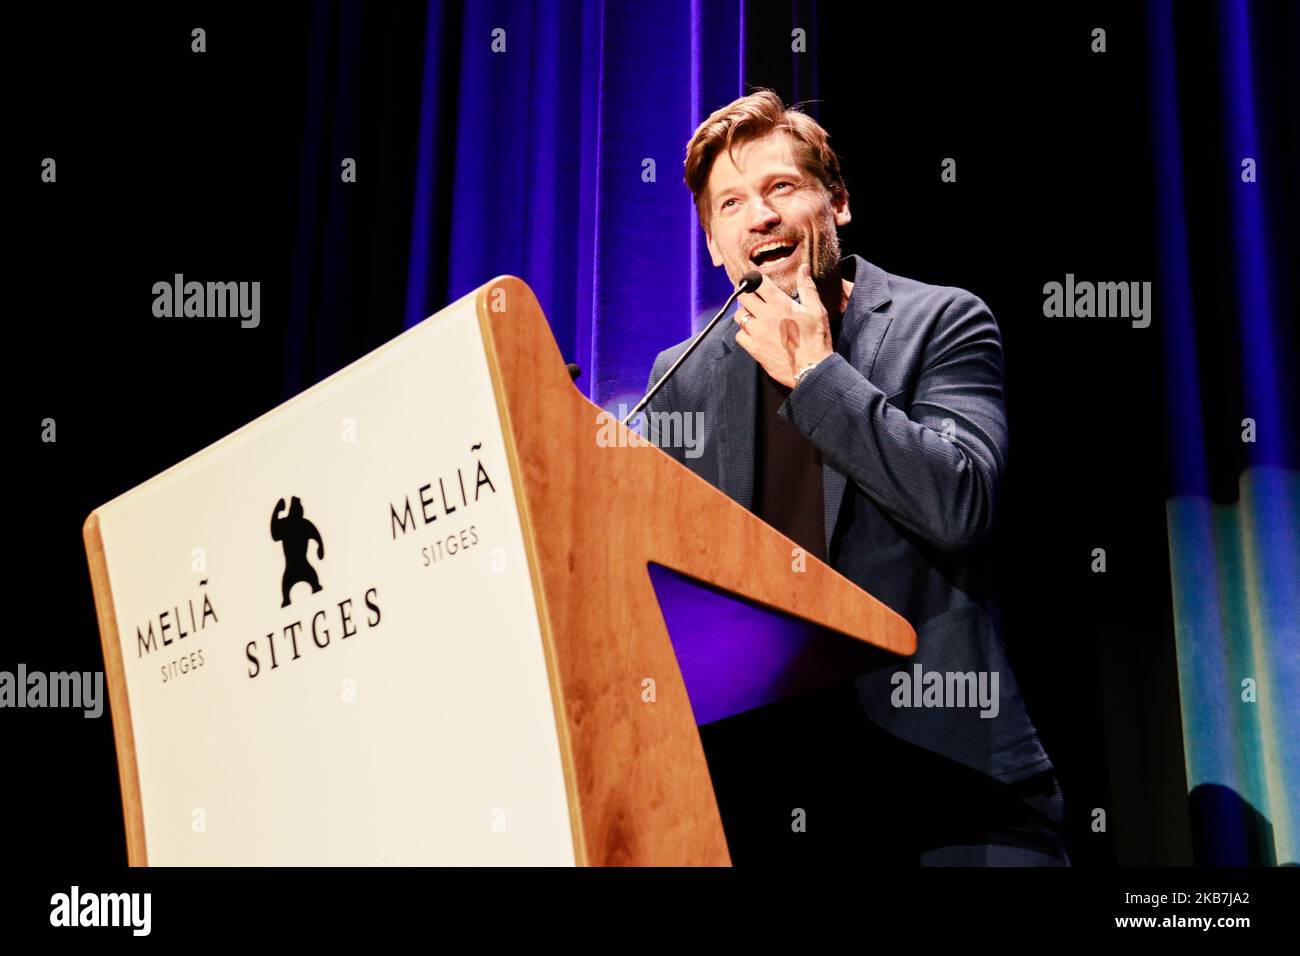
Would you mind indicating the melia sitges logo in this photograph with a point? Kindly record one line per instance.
(295, 532)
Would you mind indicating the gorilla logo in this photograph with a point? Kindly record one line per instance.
(296, 531)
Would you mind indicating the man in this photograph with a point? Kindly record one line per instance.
(861, 414)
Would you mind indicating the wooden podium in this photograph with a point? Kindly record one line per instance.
(471, 666)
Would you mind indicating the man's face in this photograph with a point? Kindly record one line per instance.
(763, 199)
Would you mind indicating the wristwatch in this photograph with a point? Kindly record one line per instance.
(798, 376)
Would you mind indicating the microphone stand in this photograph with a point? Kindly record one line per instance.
(748, 283)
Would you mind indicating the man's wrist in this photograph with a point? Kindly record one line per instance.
(802, 371)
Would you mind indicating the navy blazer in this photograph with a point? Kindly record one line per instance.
(909, 417)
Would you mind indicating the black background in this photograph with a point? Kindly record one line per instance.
(173, 163)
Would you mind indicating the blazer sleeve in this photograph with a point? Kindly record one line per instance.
(664, 401)
(935, 470)
(661, 401)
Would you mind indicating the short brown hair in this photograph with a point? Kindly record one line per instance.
(752, 117)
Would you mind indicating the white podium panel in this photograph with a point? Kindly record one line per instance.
(397, 710)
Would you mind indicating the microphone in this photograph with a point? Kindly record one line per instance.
(749, 282)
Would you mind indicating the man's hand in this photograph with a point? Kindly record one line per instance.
(781, 334)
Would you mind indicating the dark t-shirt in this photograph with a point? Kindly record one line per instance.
(788, 479)
(788, 469)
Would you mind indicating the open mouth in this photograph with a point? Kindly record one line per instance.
(774, 252)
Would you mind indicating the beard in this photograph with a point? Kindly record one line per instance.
(824, 255)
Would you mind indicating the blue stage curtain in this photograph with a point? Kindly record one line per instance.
(1235, 564)
(566, 169)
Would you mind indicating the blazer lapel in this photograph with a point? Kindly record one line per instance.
(736, 375)
(861, 332)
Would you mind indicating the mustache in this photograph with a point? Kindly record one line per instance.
(808, 238)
